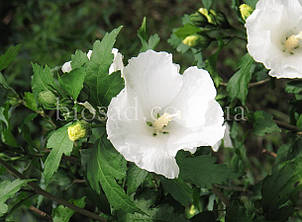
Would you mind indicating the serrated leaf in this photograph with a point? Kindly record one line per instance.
(42, 79)
(63, 214)
(179, 190)
(103, 86)
(263, 123)
(202, 171)
(135, 177)
(103, 167)
(60, 144)
(30, 101)
(238, 85)
(7, 190)
(9, 56)
(73, 81)
(78, 59)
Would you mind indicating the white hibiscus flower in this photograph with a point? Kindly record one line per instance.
(116, 65)
(160, 112)
(274, 33)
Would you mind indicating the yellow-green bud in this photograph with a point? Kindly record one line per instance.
(197, 40)
(209, 16)
(77, 130)
(47, 99)
(191, 40)
(245, 11)
(191, 211)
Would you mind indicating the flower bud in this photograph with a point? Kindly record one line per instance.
(191, 211)
(197, 40)
(198, 19)
(77, 130)
(245, 11)
(47, 99)
(209, 16)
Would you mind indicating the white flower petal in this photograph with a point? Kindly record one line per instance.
(267, 29)
(154, 78)
(89, 53)
(127, 131)
(227, 141)
(66, 67)
(117, 63)
(196, 92)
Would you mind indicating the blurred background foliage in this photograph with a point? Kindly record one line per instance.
(50, 31)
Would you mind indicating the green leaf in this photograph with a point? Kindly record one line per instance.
(103, 86)
(3, 82)
(7, 190)
(73, 81)
(8, 138)
(42, 79)
(299, 122)
(9, 56)
(251, 3)
(280, 190)
(207, 3)
(202, 171)
(104, 166)
(30, 101)
(135, 177)
(295, 87)
(78, 59)
(179, 190)
(152, 42)
(263, 123)
(238, 85)
(186, 30)
(237, 213)
(142, 34)
(63, 214)
(60, 144)
(142, 31)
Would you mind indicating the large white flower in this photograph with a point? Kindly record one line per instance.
(160, 112)
(274, 33)
(116, 65)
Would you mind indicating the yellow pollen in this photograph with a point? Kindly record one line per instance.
(162, 121)
(292, 42)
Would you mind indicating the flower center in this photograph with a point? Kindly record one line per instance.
(161, 123)
(292, 42)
